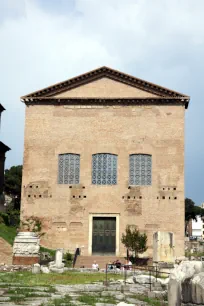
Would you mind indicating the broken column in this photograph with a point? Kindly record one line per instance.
(57, 265)
(26, 248)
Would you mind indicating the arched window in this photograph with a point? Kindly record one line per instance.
(104, 169)
(68, 168)
(140, 169)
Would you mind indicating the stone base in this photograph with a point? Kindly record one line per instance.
(25, 260)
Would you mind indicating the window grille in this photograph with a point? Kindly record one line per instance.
(69, 168)
(140, 169)
(104, 169)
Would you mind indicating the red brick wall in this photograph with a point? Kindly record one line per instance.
(21, 260)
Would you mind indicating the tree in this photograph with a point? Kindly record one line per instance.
(191, 212)
(12, 184)
(134, 240)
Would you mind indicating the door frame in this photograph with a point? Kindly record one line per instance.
(117, 238)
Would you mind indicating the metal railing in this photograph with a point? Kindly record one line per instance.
(150, 270)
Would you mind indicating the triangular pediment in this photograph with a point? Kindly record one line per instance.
(105, 88)
(102, 81)
(105, 83)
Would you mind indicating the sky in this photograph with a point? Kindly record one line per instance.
(47, 41)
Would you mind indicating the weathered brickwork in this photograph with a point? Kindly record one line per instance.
(25, 261)
(104, 127)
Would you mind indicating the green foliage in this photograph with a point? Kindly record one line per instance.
(51, 252)
(4, 218)
(10, 218)
(134, 240)
(12, 184)
(68, 256)
(8, 233)
(88, 299)
(194, 254)
(66, 300)
(150, 301)
(191, 211)
(68, 259)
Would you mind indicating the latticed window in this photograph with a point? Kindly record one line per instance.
(104, 169)
(69, 168)
(140, 169)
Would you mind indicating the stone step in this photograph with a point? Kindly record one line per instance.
(87, 261)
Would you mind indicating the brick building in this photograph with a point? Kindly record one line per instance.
(102, 151)
(3, 150)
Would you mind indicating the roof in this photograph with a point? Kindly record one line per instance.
(3, 147)
(46, 95)
(1, 108)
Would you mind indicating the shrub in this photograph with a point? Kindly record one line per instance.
(4, 218)
(68, 256)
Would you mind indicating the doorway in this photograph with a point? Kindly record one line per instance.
(104, 236)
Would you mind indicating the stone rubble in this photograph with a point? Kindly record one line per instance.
(186, 284)
(122, 294)
(13, 268)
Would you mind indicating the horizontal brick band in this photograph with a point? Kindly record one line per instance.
(24, 260)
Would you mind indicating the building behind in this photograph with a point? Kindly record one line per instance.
(3, 150)
(102, 151)
(198, 228)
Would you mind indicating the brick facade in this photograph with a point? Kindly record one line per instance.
(121, 129)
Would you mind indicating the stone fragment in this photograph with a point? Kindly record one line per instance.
(36, 268)
(197, 288)
(58, 258)
(4, 298)
(44, 269)
(186, 270)
(174, 292)
(125, 304)
(119, 296)
(130, 280)
(144, 279)
(56, 270)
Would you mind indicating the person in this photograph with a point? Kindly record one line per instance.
(95, 266)
(110, 267)
(118, 264)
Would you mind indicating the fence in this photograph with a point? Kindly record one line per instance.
(150, 270)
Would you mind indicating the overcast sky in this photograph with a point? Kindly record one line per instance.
(47, 41)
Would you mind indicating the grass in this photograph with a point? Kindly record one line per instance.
(8, 233)
(92, 300)
(27, 292)
(149, 301)
(88, 299)
(58, 302)
(28, 279)
(20, 294)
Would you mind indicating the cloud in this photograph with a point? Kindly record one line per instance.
(43, 42)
